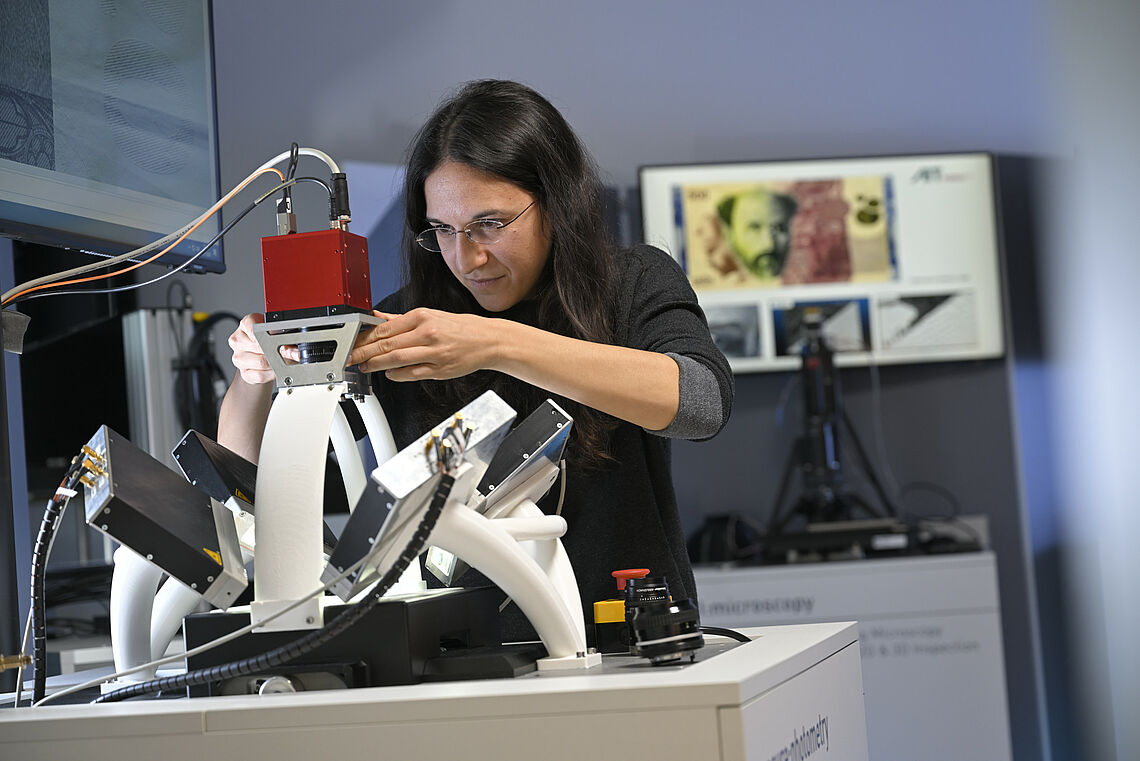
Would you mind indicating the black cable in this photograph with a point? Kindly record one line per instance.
(285, 205)
(195, 373)
(954, 518)
(730, 633)
(175, 327)
(313, 640)
(170, 289)
(188, 262)
(946, 494)
(293, 181)
(294, 157)
(52, 514)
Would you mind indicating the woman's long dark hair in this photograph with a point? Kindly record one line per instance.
(508, 130)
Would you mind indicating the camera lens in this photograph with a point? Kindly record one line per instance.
(664, 631)
(317, 351)
(659, 628)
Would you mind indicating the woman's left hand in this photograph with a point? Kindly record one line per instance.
(425, 344)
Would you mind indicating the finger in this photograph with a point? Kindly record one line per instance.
(256, 377)
(246, 324)
(372, 334)
(381, 346)
(411, 373)
(393, 323)
(243, 338)
(249, 361)
(253, 368)
(403, 357)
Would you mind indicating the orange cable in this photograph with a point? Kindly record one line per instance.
(212, 211)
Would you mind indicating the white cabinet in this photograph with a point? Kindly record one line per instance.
(930, 638)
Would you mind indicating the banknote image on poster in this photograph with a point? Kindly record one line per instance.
(772, 233)
(846, 325)
(735, 329)
(921, 323)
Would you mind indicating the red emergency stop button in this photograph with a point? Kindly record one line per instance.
(629, 573)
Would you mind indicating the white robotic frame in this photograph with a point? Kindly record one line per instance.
(516, 545)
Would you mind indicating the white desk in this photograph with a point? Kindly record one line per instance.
(782, 691)
(930, 635)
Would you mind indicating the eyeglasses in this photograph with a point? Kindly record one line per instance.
(481, 231)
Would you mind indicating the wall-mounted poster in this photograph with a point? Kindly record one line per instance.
(908, 243)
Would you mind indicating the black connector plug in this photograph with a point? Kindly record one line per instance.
(339, 212)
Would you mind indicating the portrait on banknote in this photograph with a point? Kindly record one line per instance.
(770, 233)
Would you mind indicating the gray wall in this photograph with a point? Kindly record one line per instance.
(667, 81)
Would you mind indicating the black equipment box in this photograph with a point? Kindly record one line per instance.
(442, 635)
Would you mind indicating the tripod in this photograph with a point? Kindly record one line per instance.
(824, 497)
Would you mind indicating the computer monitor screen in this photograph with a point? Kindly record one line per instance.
(898, 254)
(108, 136)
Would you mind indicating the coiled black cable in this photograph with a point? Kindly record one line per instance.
(313, 640)
(48, 525)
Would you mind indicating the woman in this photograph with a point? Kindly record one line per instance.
(512, 284)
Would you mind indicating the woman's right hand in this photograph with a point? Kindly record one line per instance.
(248, 357)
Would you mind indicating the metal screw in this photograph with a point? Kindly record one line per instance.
(106, 511)
(209, 578)
(104, 527)
(288, 380)
(193, 585)
(149, 556)
(309, 619)
(330, 376)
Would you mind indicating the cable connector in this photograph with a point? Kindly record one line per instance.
(286, 219)
(91, 453)
(339, 213)
(14, 661)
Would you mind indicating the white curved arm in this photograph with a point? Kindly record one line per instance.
(134, 581)
(551, 557)
(289, 509)
(379, 432)
(173, 602)
(491, 549)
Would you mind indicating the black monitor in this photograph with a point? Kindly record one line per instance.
(108, 135)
